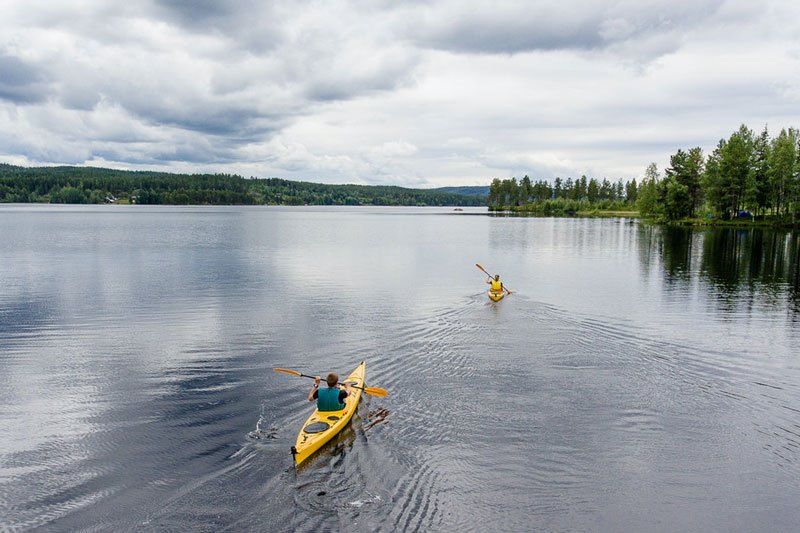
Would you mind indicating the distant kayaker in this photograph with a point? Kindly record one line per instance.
(330, 398)
(497, 285)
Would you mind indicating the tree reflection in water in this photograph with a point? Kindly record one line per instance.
(740, 267)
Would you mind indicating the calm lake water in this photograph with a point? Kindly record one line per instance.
(640, 378)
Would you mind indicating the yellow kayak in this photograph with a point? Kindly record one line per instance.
(495, 296)
(322, 426)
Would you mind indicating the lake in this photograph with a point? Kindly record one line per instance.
(639, 378)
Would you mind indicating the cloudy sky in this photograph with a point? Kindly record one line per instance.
(413, 93)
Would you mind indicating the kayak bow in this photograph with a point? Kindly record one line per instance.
(495, 296)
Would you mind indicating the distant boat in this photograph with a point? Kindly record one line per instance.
(457, 209)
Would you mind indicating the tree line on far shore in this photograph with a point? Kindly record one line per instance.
(562, 197)
(746, 176)
(89, 185)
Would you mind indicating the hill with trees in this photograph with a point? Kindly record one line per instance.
(89, 185)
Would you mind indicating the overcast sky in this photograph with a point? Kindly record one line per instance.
(410, 93)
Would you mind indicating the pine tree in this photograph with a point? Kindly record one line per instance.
(569, 189)
(495, 192)
(526, 191)
(648, 200)
(631, 191)
(727, 171)
(686, 169)
(758, 196)
(592, 191)
(583, 188)
(782, 164)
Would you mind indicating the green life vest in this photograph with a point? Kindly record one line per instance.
(328, 399)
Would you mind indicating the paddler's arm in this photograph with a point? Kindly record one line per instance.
(346, 391)
(313, 394)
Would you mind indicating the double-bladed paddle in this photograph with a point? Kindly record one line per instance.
(373, 391)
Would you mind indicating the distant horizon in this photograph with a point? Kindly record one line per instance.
(201, 172)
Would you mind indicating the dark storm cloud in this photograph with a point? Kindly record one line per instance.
(195, 153)
(21, 82)
(220, 120)
(547, 25)
(203, 12)
(251, 25)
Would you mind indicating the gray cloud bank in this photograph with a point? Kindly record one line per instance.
(419, 93)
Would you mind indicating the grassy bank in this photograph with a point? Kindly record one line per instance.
(735, 223)
(611, 213)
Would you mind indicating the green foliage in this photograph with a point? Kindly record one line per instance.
(561, 197)
(783, 169)
(68, 195)
(648, 198)
(685, 172)
(494, 199)
(631, 192)
(757, 191)
(744, 173)
(677, 199)
(97, 185)
(593, 191)
(727, 172)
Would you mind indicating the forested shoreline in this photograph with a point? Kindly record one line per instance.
(90, 185)
(562, 197)
(747, 178)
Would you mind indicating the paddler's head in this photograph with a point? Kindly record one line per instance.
(332, 379)
(497, 277)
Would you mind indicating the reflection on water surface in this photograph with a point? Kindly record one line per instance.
(639, 376)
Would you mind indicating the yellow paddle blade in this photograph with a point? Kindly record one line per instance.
(376, 391)
(287, 371)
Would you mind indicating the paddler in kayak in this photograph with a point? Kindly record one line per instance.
(497, 285)
(330, 398)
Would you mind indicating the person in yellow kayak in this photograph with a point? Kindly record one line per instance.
(330, 398)
(497, 285)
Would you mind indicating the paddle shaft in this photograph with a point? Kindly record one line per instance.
(315, 377)
(483, 270)
(490, 276)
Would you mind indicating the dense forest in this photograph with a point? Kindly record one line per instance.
(562, 197)
(82, 185)
(746, 177)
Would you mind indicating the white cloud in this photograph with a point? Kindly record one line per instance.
(429, 93)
